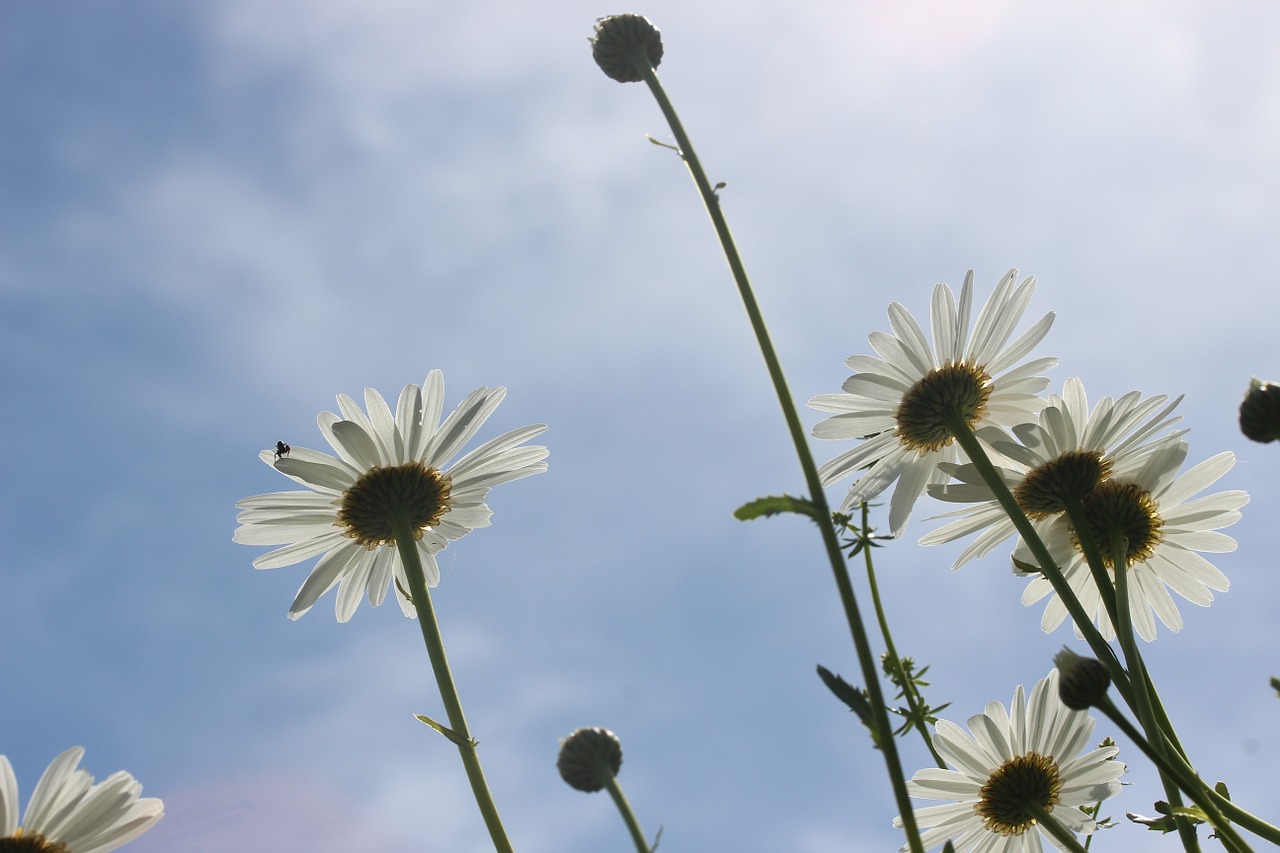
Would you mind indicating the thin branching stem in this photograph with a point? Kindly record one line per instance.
(909, 692)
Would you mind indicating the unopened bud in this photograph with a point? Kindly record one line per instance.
(1260, 411)
(589, 758)
(624, 45)
(1082, 682)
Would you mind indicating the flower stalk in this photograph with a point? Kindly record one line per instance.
(1050, 824)
(642, 65)
(1201, 794)
(973, 449)
(628, 815)
(459, 734)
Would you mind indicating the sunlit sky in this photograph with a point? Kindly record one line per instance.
(215, 216)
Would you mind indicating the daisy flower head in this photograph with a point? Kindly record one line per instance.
(904, 400)
(390, 472)
(1006, 765)
(68, 813)
(1054, 460)
(1165, 527)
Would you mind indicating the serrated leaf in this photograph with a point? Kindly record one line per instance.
(1155, 824)
(775, 505)
(848, 694)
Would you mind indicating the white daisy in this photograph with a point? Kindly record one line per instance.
(900, 399)
(1004, 761)
(67, 813)
(388, 465)
(1064, 455)
(1165, 529)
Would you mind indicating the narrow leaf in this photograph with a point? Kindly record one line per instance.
(774, 505)
(458, 739)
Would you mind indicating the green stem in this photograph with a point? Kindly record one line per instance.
(1248, 820)
(909, 692)
(408, 548)
(628, 816)
(814, 484)
(1186, 779)
(972, 448)
(1142, 687)
(1049, 824)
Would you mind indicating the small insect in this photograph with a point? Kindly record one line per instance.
(282, 450)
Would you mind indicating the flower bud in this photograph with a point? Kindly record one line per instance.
(1082, 682)
(589, 758)
(1260, 411)
(623, 44)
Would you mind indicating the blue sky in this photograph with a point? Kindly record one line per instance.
(216, 216)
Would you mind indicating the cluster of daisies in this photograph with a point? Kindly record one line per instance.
(1107, 474)
(1118, 462)
(1078, 473)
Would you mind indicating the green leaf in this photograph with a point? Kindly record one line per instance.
(404, 591)
(1029, 568)
(775, 505)
(1168, 823)
(851, 696)
(1275, 685)
(458, 739)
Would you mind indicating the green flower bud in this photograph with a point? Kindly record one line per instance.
(1260, 411)
(623, 44)
(589, 758)
(1082, 682)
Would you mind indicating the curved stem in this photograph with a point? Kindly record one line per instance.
(968, 442)
(909, 692)
(814, 484)
(408, 549)
(628, 816)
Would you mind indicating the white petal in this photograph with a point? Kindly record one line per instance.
(322, 578)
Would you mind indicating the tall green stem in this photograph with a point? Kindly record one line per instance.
(866, 660)
(459, 734)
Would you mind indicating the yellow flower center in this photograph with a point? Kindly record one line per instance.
(413, 492)
(1047, 489)
(1005, 800)
(955, 390)
(1122, 509)
(19, 843)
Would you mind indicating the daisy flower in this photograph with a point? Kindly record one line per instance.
(389, 466)
(902, 399)
(1006, 761)
(1165, 526)
(1061, 457)
(67, 813)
